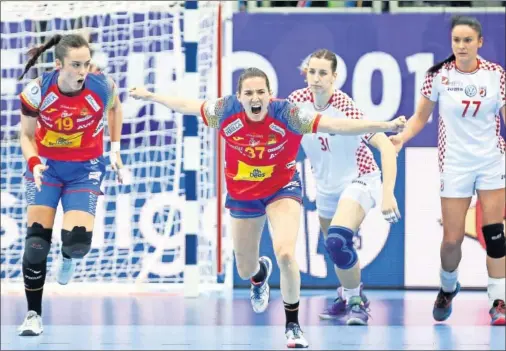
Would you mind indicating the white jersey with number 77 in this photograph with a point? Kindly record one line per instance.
(469, 115)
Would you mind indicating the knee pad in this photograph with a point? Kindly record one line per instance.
(340, 247)
(37, 244)
(494, 240)
(77, 242)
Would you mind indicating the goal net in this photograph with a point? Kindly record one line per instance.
(138, 236)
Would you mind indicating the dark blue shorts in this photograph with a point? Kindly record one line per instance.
(256, 208)
(77, 184)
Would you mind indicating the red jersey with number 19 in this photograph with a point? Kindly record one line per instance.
(70, 128)
(259, 156)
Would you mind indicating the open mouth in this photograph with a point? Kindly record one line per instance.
(256, 109)
(80, 81)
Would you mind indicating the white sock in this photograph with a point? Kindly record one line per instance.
(496, 289)
(348, 293)
(448, 280)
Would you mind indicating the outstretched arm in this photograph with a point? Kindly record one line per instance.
(358, 126)
(181, 105)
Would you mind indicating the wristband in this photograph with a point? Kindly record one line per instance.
(115, 146)
(33, 161)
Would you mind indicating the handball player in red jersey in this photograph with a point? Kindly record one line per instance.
(262, 137)
(63, 114)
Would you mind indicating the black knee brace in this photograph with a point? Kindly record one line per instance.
(37, 245)
(77, 242)
(494, 240)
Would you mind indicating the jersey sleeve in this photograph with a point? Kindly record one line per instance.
(30, 98)
(347, 106)
(112, 92)
(430, 86)
(298, 120)
(502, 83)
(214, 111)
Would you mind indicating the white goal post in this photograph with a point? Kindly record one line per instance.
(143, 229)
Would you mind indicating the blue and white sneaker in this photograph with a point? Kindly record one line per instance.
(66, 270)
(260, 292)
(294, 337)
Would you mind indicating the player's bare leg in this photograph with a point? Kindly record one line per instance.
(493, 211)
(37, 245)
(350, 302)
(246, 234)
(77, 231)
(454, 214)
(284, 218)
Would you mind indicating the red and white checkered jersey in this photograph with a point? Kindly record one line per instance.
(336, 159)
(469, 115)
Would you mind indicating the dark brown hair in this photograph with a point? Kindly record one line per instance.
(458, 21)
(61, 43)
(252, 72)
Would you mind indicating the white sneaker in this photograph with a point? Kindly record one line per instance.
(259, 294)
(32, 325)
(294, 337)
(66, 270)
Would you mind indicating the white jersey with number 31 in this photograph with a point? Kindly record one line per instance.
(469, 121)
(336, 159)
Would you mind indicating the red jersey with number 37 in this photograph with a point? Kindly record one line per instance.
(69, 128)
(259, 156)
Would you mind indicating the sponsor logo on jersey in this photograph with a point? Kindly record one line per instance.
(66, 114)
(233, 127)
(271, 139)
(253, 142)
(100, 126)
(235, 147)
(54, 139)
(455, 85)
(277, 129)
(85, 118)
(277, 148)
(51, 110)
(249, 173)
(236, 138)
(445, 80)
(34, 90)
(83, 126)
(290, 164)
(93, 103)
(84, 111)
(483, 91)
(442, 185)
(471, 90)
(48, 101)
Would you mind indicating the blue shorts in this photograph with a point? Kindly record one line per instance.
(256, 208)
(77, 184)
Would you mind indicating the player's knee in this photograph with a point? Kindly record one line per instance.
(451, 243)
(285, 256)
(37, 243)
(339, 245)
(494, 240)
(76, 243)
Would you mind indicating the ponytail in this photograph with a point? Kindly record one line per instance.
(438, 66)
(35, 52)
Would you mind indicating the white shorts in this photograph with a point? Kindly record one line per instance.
(461, 185)
(366, 190)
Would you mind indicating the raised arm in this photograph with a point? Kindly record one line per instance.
(181, 105)
(358, 126)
